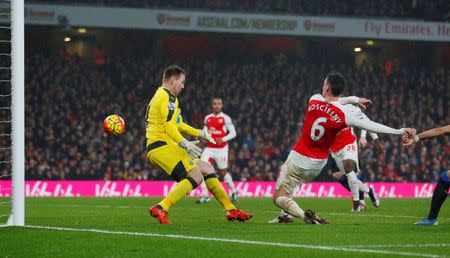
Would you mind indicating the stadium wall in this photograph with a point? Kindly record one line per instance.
(160, 19)
(245, 189)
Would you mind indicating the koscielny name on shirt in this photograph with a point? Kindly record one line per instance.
(325, 108)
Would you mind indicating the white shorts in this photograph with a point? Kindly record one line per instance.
(297, 169)
(349, 152)
(219, 155)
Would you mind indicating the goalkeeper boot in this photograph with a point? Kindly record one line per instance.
(282, 219)
(374, 198)
(312, 218)
(427, 222)
(160, 214)
(238, 215)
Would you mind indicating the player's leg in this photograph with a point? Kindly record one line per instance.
(353, 183)
(439, 195)
(176, 163)
(363, 188)
(222, 164)
(288, 180)
(206, 156)
(349, 157)
(342, 179)
(217, 190)
(348, 168)
(283, 217)
(192, 179)
(229, 181)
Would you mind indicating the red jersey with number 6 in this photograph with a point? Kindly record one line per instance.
(323, 121)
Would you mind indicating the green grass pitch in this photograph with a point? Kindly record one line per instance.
(383, 232)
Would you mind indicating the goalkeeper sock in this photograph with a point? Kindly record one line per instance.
(218, 192)
(353, 183)
(290, 207)
(439, 195)
(229, 181)
(180, 191)
(204, 189)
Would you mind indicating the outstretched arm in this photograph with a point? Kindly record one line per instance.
(355, 117)
(435, 132)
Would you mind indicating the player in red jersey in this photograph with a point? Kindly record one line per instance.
(325, 118)
(222, 130)
(343, 150)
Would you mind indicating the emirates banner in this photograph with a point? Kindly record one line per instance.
(245, 189)
(63, 15)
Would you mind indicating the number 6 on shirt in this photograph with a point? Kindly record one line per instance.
(317, 127)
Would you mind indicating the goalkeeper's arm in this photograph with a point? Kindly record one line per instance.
(187, 129)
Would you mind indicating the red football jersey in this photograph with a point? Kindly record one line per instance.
(217, 127)
(323, 121)
(344, 138)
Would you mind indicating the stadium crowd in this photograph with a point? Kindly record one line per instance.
(67, 100)
(417, 9)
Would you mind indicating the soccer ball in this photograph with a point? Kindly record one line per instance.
(114, 125)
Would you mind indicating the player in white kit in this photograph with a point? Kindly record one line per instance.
(221, 128)
(345, 150)
(325, 118)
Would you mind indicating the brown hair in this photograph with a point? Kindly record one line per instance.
(172, 70)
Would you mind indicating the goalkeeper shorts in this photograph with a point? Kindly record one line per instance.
(171, 158)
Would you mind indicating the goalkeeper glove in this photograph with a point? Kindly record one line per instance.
(206, 135)
(191, 148)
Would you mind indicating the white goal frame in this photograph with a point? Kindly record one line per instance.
(17, 217)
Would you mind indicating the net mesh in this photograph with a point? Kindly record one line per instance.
(5, 111)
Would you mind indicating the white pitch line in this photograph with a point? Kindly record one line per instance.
(95, 206)
(397, 245)
(238, 241)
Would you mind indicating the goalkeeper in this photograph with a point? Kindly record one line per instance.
(178, 157)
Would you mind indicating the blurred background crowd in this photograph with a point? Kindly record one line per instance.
(67, 100)
(77, 76)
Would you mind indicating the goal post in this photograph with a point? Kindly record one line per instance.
(18, 112)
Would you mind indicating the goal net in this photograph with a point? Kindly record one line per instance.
(12, 116)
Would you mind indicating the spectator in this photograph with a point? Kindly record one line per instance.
(66, 103)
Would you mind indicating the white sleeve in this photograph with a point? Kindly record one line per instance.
(348, 100)
(355, 117)
(363, 133)
(230, 128)
(317, 97)
(374, 136)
